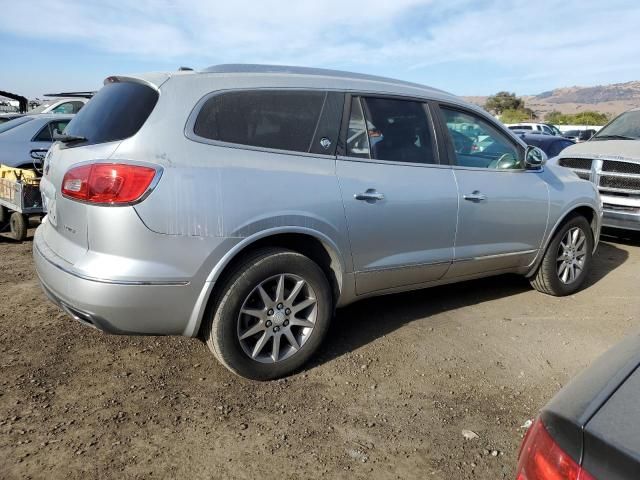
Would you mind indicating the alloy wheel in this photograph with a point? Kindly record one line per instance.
(572, 253)
(277, 318)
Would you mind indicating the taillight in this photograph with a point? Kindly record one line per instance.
(107, 183)
(541, 458)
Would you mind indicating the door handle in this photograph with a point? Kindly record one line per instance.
(369, 195)
(476, 196)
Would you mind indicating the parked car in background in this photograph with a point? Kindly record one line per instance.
(542, 128)
(549, 144)
(589, 430)
(579, 135)
(29, 136)
(61, 105)
(611, 160)
(235, 204)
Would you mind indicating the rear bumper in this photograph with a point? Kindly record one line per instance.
(133, 307)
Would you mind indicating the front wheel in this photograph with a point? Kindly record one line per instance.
(567, 261)
(271, 316)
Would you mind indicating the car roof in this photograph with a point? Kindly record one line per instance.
(320, 72)
(357, 81)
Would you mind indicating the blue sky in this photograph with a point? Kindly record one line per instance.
(468, 47)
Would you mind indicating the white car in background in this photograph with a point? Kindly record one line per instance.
(543, 128)
(61, 105)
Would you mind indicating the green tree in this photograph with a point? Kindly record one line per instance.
(591, 118)
(554, 117)
(516, 116)
(583, 118)
(502, 101)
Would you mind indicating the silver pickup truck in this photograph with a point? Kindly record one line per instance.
(611, 160)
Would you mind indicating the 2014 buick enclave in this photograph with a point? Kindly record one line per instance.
(245, 203)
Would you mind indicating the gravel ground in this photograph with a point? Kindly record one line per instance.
(389, 395)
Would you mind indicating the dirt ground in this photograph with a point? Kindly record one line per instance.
(398, 380)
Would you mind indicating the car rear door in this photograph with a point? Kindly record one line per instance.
(503, 207)
(400, 202)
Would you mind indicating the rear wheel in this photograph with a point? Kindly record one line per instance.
(567, 261)
(271, 315)
(18, 224)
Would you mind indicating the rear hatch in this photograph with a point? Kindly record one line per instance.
(117, 112)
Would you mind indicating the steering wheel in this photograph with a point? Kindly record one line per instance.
(506, 162)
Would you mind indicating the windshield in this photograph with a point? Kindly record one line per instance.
(554, 129)
(626, 125)
(116, 112)
(14, 123)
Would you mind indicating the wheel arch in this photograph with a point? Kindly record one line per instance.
(315, 245)
(585, 210)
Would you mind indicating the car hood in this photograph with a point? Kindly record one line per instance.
(620, 149)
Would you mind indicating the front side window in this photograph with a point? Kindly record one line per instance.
(476, 143)
(283, 120)
(391, 130)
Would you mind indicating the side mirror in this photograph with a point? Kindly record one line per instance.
(534, 158)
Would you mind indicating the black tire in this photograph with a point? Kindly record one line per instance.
(19, 224)
(221, 327)
(4, 217)
(547, 279)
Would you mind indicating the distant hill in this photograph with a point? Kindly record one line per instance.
(612, 99)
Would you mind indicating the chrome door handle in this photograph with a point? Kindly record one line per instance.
(369, 195)
(476, 196)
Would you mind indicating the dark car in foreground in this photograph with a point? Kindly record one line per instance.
(590, 429)
(550, 144)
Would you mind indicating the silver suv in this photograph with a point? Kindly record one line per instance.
(243, 204)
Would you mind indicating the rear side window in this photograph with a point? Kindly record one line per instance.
(389, 129)
(299, 121)
(116, 112)
(46, 134)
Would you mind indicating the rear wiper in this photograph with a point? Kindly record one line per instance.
(64, 138)
(612, 137)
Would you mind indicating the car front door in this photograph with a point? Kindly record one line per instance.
(400, 203)
(503, 207)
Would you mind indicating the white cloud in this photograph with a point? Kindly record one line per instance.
(541, 39)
